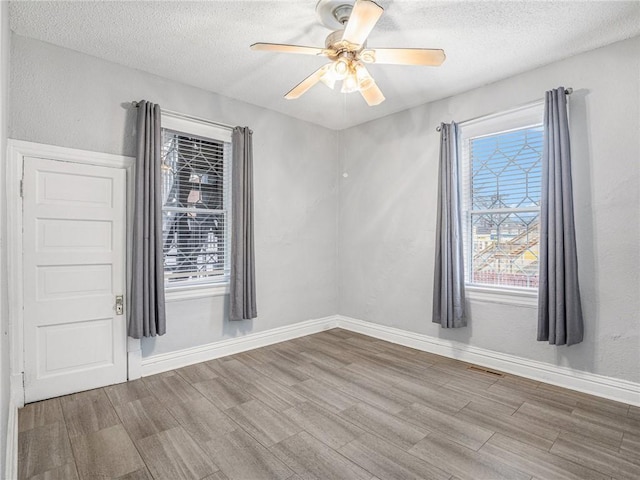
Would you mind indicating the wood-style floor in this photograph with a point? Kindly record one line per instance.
(335, 405)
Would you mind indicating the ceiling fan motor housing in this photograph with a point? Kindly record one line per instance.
(333, 39)
(334, 14)
(342, 48)
(342, 13)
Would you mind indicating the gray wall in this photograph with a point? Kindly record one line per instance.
(4, 317)
(385, 233)
(387, 214)
(62, 97)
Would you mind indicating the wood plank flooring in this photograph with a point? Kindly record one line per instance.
(335, 405)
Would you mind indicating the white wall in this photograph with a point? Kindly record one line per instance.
(387, 214)
(62, 97)
(4, 317)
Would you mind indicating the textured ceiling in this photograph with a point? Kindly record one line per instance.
(206, 44)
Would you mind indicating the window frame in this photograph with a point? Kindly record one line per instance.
(530, 115)
(207, 130)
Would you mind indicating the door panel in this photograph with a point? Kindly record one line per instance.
(93, 340)
(74, 190)
(56, 234)
(67, 281)
(73, 269)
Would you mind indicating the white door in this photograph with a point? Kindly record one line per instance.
(73, 270)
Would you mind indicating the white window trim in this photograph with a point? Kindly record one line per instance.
(522, 297)
(180, 293)
(203, 128)
(194, 126)
(513, 119)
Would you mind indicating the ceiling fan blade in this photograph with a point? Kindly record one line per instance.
(307, 83)
(409, 56)
(363, 18)
(373, 95)
(285, 48)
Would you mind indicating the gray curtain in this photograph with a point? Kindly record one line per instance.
(448, 284)
(147, 315)
(242, 298)
(559, 310)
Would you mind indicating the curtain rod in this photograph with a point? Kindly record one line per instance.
(567, 91)
(190, 117)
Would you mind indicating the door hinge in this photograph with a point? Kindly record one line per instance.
(22, 188)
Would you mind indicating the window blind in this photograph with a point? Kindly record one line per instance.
(501, 187)
(196, 208)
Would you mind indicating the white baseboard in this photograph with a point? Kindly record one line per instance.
(11, 457)
(181, 358)
(134, 358)
(599, 385)
(16, 401)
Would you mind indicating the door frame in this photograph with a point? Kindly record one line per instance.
(17, 150)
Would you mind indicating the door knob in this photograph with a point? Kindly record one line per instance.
(119, 304)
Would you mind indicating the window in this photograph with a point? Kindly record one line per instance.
(196, 164)
(501, 186)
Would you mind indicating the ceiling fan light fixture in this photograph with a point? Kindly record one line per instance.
(329, 79)
(341, 68)
(368, 56)
(350, 83)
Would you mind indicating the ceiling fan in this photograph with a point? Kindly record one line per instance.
(347, 49)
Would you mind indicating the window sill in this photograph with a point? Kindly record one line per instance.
(189, 293)
(520, 298)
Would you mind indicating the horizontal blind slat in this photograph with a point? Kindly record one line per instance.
(501, 189)
(196, 180)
